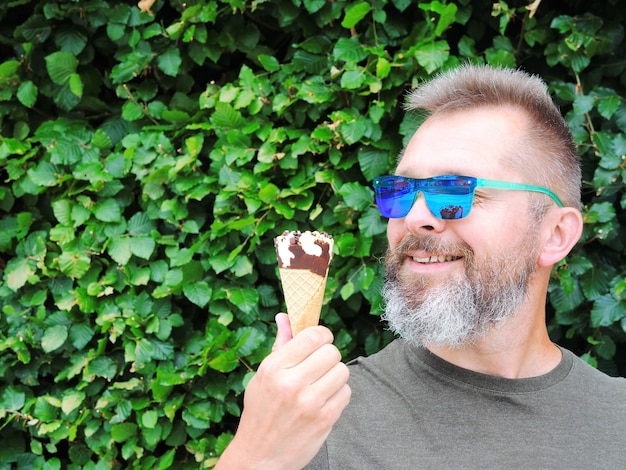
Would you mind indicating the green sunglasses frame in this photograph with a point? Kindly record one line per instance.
(497, 184)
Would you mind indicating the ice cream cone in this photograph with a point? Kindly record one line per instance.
(303, 260)
(304, 295)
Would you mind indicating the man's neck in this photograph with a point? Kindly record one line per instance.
(513, 349)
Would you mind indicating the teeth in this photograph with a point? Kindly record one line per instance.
(434, 259)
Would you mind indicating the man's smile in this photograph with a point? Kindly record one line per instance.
(435, 259)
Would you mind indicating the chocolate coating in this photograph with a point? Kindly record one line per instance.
(301, 259)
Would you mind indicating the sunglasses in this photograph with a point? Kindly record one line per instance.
(448, 197)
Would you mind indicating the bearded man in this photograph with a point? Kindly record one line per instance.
(483, 203)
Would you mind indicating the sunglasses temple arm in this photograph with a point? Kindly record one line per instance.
(518, 187)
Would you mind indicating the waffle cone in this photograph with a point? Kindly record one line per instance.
(304, 294)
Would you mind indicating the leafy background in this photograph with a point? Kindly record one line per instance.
(150, 152)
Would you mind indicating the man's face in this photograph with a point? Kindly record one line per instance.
(448, 281)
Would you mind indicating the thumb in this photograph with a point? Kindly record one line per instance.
(284, 331)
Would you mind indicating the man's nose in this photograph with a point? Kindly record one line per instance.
(421, 218)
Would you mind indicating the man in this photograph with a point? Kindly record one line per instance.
(484, 201)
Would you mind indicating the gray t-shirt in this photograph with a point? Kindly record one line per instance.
(412, 410)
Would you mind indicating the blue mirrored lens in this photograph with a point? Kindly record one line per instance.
(394, 196)
(447, 197)
(448, 206)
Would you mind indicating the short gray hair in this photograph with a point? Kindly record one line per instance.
(547, 153)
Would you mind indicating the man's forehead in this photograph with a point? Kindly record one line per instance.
(468, 142)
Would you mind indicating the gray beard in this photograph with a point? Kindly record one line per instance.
(462, 309)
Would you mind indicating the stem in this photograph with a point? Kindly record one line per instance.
(143, 108)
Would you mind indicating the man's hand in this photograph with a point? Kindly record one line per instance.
(292, 402)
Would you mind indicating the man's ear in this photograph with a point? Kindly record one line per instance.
(561, 230)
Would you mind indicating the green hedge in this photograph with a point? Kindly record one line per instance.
(150, 152)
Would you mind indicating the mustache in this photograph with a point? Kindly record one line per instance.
(431, 244)
(395, 256)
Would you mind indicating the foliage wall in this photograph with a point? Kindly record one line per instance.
(150, 152)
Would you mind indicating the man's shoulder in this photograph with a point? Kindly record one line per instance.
(387, 362)
(397, 370)
(381, 357)
(595, 381)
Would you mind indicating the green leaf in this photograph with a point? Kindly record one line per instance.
(226, 116)
(242, 267)
(606, 348)
(120, 249)
(12, 399)
(371, 223)
(169, 62)
(47, 408)
(608, 105)
(347, 290)
(352, 79)
(123, 431)
(142, 247)
(8, 70)
(72, 400)
(45, 174)
(27, 93)
(579, 61)
(383, 67)
(373, 162)
(562, 22)
(62, 210)
(248, 339)
(76, 85)
(198, 293)
(17, 273)
(607, 310)
(355, 128)
(102, 367)
(132, 111)
(268, 192)
(564, 302)
(594, 283)
(315, 90)
(313, 6)
(600, 212)
(269, 62)
(148, 350)
(107, 210)
(65, 99)
(193, 144)
(101, 139)
(179, 257)
(53, 338)
(432, 56)
(74, 264)
(61, 66)
(500, 57)
(79, 454)
(245, 298)
(72, 40)
(131, 66)
(583, 104)
(149, 419)
(448, 15)
(224, 361)
(80, 335)
(36, 29)
(173, 115)
(357, 196)
(355, 13)
(349, 50)
(309, 62)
